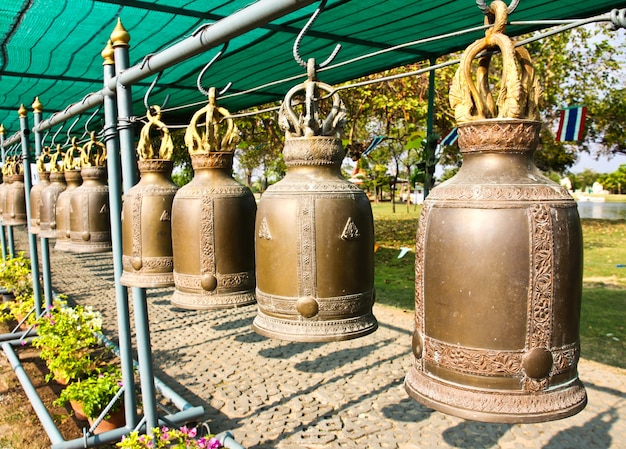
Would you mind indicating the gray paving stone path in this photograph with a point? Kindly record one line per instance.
(277, 394)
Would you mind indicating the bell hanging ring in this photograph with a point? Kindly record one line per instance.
(90, 223)
(213, 221)
(50, 195)
(14, 213)
(314, 235)
(71, 168)
(147, 212)
(498, 262)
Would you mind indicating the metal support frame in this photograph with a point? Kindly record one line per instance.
(122, 143)
(32, 239)
(43, 242)
(8, 247)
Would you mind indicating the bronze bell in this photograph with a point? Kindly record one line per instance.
(498, 263)
(147, 257)
(71, 168)
(35, 191)
(213, 221)
(90, 223)
(14, 212)
(50, 195)
(3, 191)
(314, 234)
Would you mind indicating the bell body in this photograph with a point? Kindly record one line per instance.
(3, 197)
(48, 208)
(498, 285)
(213, 237)
(35, 201)
(314, 249)
(89, 219)
(15, 202)
(73, 180)
(146, 227)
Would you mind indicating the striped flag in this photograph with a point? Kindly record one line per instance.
(450, 138)
(571, 124)
(373, 144)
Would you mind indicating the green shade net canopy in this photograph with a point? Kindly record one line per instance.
(51, 48)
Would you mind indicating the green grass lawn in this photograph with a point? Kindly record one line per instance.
(603, 317)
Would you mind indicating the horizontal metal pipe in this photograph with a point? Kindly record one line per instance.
(40, 409)
(228, 441)
(117, 434)
(15, 138)
(240, 22)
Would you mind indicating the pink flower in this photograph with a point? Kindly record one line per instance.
(214, 443)
(193, 432)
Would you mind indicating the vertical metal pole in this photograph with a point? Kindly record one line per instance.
(3, 237)
(45, 247)
(32, 239)
(429, 155)
(111, 140)
(120, 39)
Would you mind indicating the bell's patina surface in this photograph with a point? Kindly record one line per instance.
(14, 213)
(35, 191)
(50, 195)
(213, 221)
(3, 190)
(498, 263)
(147, 213)
(71, 168)
(90, 223)
(314, 235)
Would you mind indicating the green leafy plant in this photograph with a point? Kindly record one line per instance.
(15, 275)
(94, 393)
(68, 342)
(164, 438)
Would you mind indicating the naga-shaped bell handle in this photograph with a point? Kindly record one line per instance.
(145, 150)
(519, 91)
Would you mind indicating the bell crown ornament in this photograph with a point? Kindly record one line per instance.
(520, 90)
(43, 161)
(72, 158)
(93, 153)
(214, 137)
(145, 148)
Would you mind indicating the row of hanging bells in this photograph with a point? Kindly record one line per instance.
(71, 201)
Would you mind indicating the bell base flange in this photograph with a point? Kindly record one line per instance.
(62, 245)
(47, 234)
(314, 331)
(104, 247)
(496, 406)
(199, 301)
(147, 280)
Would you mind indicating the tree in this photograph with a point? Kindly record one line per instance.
(607, 126)
(614, 182)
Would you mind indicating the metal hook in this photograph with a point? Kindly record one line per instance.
(54, 137)
(149, 91)
(204, 91)
(296, 44)
(91, 117)
(485, 9)
(69, 130)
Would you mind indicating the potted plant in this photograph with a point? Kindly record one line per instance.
(68, 341)
(93, 394)
(164, 438)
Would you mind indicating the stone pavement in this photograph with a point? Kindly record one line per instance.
(276, 394)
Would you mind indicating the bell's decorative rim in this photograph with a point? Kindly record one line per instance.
(313, 150)
(92, 172)
(213, 159)
(72, 175)
(155, 165)
(499, 135)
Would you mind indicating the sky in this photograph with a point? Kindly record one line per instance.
(602, 165)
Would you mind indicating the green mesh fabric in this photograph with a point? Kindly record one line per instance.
(51, 48)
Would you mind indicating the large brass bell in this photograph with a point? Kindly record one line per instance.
(90, 223)
(35, 191)
(3, 190)
(213, 221)
(73, 179)
(314, 234)
(50, 195)
(147, 212)
(498, 262)
(14, 213)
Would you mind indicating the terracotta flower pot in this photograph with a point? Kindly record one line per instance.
(79, 414)
(116, 420)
